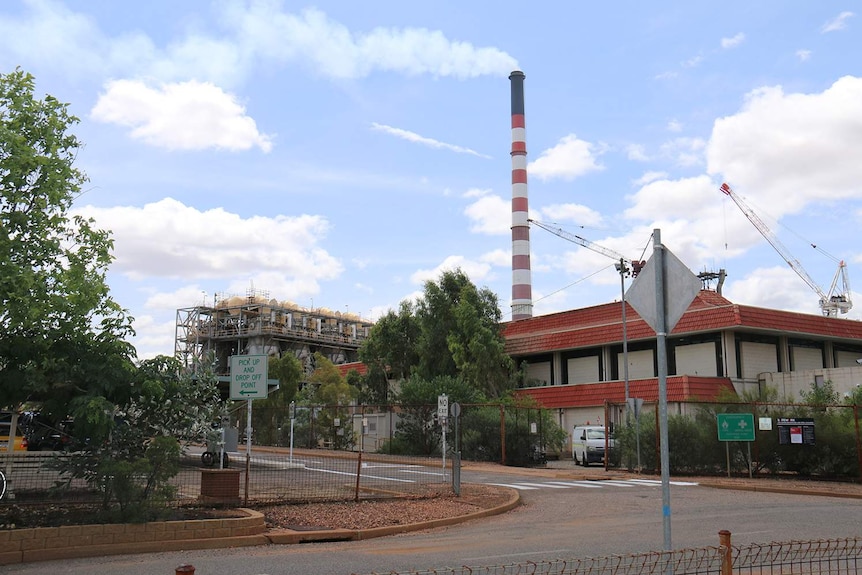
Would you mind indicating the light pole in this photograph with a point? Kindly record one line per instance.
(624, 271)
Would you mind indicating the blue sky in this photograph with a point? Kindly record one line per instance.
(339, 154)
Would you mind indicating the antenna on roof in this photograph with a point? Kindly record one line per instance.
(706, 279)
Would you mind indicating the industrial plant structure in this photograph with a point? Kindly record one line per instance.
(255, 324)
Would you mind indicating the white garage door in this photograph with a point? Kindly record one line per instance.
(757, 358)
(640, 364)
(539, 373)
(583, 369)
(696, 359)
(806, 358)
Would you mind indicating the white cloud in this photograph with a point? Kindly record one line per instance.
(576, 213)
(637, 153)
(476, 271)
(247, 35)
(490, 215)
(837, 23)
(168, 239)
(476, 193)
(774, 288)
(788, 150)
(733, 42)
(692, 62)
(570, 158)
(185, 116)
(649, 177)
(674, 126)
(498, 258)
(803, 55)
(153, 337)
(690, 199)
(431, 143)
(684, 151)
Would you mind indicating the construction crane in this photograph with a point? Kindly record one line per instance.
(636, 265)
(831, 303)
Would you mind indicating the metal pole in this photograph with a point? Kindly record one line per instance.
(661, 350)
(247, 448)
(623, 270)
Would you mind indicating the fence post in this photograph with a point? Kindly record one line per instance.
(502, 435)
(358, 475)
(858, 440)
(726, 553)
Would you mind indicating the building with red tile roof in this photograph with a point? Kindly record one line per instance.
(575, 363)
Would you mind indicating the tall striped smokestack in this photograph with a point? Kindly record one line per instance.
(522, 290)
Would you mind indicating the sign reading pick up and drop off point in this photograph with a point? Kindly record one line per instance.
(248, 377)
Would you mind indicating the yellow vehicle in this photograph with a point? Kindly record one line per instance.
(20, 439)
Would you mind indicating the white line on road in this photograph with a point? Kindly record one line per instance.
(520, 486)
(589, 484)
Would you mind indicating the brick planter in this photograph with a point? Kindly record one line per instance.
(51, 543)
(220, 486)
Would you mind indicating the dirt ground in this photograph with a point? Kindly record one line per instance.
(364, 514)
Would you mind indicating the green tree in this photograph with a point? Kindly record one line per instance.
(460, 334)
(61, 334)
(477, 344)
(418, 433)
(270, 419)
(287, 369)
(390, 351)
(452, 331)
(132, 448)
(331, 395)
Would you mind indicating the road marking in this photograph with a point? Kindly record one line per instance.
(615, 482)
(589, 484)
(520, 486)
(597, 484)
(658, 482)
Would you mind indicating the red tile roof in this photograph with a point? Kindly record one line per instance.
(357, 366)
(679, 388)
(602, 324)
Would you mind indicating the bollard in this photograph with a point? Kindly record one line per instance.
(726, 553)
(185, 570)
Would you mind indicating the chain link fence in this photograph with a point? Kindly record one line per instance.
(833, 557)
(268, 475)
(510, 435)
(788, 439)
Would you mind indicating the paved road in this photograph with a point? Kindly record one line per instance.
(552, 523)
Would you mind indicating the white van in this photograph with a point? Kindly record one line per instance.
(588, 444)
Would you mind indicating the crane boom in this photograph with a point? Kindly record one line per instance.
(830, 304)
(636, 265)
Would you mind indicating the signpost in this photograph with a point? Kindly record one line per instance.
(442, 415)
(660, 294)
(736, 427)
(248, 381)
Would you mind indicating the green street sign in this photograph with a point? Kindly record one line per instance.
(735, 427)
(248, 377)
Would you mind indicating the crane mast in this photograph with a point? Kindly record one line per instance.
(831, 303)
(636, 265)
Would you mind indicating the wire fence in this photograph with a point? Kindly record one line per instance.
(268, 475)
(832, 556)
(808, 440)
(506, 434)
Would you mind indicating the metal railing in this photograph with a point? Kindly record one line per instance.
(271, 475)
(832, 556)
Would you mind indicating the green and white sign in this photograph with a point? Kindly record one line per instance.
(248, 377)
(735, 427)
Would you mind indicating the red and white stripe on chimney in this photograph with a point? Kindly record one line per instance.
(522, 296)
